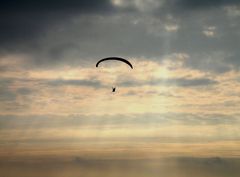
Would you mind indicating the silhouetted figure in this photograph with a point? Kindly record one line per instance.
(113, 89)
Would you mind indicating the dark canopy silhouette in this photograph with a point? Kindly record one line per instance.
(115, 58)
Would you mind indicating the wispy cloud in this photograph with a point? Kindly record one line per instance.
(181, 82)
(88, 83)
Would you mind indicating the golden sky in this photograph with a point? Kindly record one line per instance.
(159, 109)
(181, 99)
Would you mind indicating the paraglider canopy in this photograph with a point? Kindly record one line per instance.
(118, 59)
(115, 58)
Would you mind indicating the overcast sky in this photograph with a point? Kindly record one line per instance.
(184, 89)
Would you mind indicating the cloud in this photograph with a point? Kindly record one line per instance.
(152, 130)
(203, 4)
(49, 82)
(233, 59)
(124, 162)
(9, 121)
(180, 82)
(5, 93)
(24, 22)
(139, 5)
(54, 5)
(74, 82)
(81, 32)
(233, 11)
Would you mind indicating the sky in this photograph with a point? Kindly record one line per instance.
(181, 99)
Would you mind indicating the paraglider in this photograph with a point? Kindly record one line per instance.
(117, 59)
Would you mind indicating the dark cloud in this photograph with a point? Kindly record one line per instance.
(234, 60)
(181, 82)
(80, 32)
(53, 5)
(118, 120)
(118, 163)
(74, 82)
(49, 82)
(5, 93)
(191, 82)
(200, 4)
(8, 96)
(5, 82)
(23, 22)
(24, 91)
